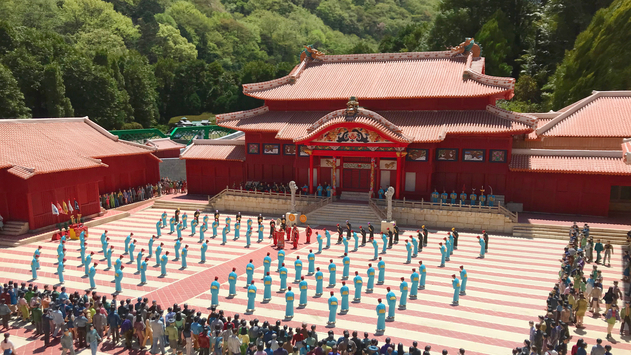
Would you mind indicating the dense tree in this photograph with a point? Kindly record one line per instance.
(57, 104)
(410, 39)
(94, 92)
(143, 61)
(498, 37)
(600, 60)
(11, 98)
(140, 84)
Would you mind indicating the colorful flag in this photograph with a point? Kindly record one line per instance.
(60, 209)
(63, 203)
(76, 206)
(70, 207)
(55, 210)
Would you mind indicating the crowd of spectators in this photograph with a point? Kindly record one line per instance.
(92, 321)
(579, 290)
(141, 193)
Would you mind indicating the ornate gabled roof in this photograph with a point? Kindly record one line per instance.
(419, 126)
(39, 146)
(391, 131)
(604, 114)
(384, 76)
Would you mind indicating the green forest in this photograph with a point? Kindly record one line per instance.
(137, 63)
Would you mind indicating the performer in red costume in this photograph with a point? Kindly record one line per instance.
(295, 236)
(308, 233)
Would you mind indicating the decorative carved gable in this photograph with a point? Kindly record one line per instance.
(351, 135)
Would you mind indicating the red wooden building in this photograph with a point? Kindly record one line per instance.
(44, 161)
(166, 147)
(418, 122)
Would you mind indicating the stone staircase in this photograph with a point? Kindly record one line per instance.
(358, 214)
(548, 231)
(170, 205)
(354, 196)
(14, 228)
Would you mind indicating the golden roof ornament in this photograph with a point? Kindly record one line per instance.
(468, 46)
(310, 52)
(352, 107)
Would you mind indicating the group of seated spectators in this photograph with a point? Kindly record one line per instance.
(263, 187)
(142, 193)
(92, 321)
(577, 291)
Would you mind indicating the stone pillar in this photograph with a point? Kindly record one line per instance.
(296, 215)
(388, 223)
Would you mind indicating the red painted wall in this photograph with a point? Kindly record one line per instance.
(272, 168)
(129, 171)
(209, 177)
(475, 103)
(13, 201)
(30, 200)
(168, 153)
(454, 174)
(563, 193)
(81, 185)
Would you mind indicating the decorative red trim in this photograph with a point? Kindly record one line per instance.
(241, 114)
(528, 120)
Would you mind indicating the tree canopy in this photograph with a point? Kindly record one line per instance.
(144, 61)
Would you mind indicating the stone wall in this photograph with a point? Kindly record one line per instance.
(445, 219)
(173, 168)
(267, 205)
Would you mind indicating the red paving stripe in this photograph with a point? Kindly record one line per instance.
(381, 288)
(200, 282)
(101, 269)
(369, 320)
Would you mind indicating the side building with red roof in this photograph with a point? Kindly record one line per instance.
(575, 161)
(421, 122)
(45, 161)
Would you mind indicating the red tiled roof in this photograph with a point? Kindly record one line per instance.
(383, 76)
(421, 126)
(569, 164)
(165, 143)
(39, 146)
(603, 114)
(540, 123)
(228, 152)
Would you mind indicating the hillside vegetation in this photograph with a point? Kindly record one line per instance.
(145, 61)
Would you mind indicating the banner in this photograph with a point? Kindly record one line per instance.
(55, 210)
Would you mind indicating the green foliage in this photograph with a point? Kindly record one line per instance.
(11, 98)
(57, 104)
(412, 38)
(498, 37)
(132, 125)
(145, 61)
(600, 60)
(170, 44)
(140, 84)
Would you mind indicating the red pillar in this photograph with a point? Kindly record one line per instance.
(310, 174)
(397, 188)
(341, 172)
